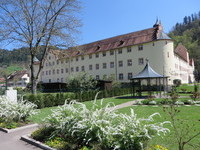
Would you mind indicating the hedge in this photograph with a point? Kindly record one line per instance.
(54, 99)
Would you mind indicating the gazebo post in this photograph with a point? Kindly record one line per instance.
(140, 89)
(160, 87)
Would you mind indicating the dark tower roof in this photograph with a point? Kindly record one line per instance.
(147, 72)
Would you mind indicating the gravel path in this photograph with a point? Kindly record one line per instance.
(11, 141)
(125, 104)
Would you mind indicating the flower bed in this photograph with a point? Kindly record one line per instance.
(167, 102)
(73, 126)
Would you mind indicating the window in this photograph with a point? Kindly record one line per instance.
(129, 62)
(111, 64)
(58, 71)
(49, 63)
(120, 51)
(66, 61)
(90, 67)
(57, 62)
(82, 57)
(49, 57)
(112, 52)
(129, 49)
(77, 69)
(72, 60)
(53, 71)
(62, 71)
(61, 61)
(104, 54)
(153, 44)
(121, 76)
(166, 42)
(120, 63)
(49, 80)
(72, 69)
(90, 56)
(140, 61)
(46, 64)
(76, 58)
(57, 79)
(97, 66)
(82, 68)
(130, 75)
(42, 72)
(97, 77)
(140, 47)
(66, 70)
(53, 63)
(104, 66)
(61, 79)
(49, 72)
(97, 55)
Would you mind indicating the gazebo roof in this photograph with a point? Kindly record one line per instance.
(147, 72)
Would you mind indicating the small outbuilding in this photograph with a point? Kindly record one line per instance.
(148, 80)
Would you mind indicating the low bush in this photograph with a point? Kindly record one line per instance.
(101, 128)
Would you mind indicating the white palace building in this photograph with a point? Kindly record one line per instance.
(121, 56)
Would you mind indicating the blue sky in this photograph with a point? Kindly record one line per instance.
(106, 18)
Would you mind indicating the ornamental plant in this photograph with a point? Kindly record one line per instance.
(11, 111)
(102, 128)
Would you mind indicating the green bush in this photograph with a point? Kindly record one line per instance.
(55, 99)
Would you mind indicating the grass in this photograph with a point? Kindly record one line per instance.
(188, 114)
(43, 113)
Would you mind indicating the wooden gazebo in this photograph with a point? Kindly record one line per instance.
(148, 76)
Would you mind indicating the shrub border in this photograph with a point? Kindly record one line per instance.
(19, 128)
(28, 139)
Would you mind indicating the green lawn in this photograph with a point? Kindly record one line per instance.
(188, 114)
(43, 113)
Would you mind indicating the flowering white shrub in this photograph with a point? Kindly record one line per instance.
(15, 111)
(103, 128)
(152, 103)
(179, 103)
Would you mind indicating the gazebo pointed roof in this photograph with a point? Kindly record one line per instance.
(147, 72)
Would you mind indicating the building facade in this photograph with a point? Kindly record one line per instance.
(121, 57)
(19, 79)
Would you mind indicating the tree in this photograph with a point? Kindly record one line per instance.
(36, 23)
(81, 82)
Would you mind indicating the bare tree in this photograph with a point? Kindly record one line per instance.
(37, 23)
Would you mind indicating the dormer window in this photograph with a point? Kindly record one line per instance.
(121, 43)
(97, 48)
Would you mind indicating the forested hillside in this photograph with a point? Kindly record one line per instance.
(188, 33)
(18, 56)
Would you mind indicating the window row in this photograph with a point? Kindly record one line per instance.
(120, 76)
(129, 49)
(97, 67)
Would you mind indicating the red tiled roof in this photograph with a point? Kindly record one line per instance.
(134, 38)
(182, 52)
(2, 79)
(120, 41)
